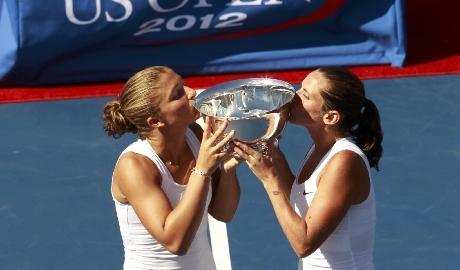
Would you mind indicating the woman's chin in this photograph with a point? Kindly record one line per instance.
(197, 115)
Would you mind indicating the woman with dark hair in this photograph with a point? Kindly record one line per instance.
(165, 183)
(327, 211)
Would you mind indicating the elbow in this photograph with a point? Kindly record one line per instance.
(304, 250)
(224, 218)
(303, 253)
(180, 252)
(304, 246)
(176, 243)
(223, 215)
(177, 250)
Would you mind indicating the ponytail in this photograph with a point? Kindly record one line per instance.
(360, 117)
(368, 133)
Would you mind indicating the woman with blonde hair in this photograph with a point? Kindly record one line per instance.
(165, 183)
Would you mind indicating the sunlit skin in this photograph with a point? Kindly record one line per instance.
(138, 182)
(343, 182)
(177, 109)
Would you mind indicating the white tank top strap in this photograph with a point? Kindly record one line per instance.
(347, 143)
(302, 164)
(193, 142)
(343, 144)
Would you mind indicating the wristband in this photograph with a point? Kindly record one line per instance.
(202, 173)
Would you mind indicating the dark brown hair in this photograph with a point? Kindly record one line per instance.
(139, 99)
(359, 115)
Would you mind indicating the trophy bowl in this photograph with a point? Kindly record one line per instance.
(256, 108)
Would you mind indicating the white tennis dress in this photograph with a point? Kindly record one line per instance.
(350, 246)
(142, 251)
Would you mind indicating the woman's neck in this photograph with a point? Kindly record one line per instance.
(324, 141)
(169, 146)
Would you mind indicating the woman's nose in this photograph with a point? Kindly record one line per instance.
(296, 98)
(191, 93)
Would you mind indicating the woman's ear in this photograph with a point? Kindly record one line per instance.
(154, 122)
(332, 117)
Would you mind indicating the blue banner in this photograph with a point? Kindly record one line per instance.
(75, 41)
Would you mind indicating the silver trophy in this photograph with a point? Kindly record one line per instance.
(256, 108)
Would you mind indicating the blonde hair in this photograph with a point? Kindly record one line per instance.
(139, 99)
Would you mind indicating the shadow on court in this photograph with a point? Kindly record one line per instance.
(56, 211)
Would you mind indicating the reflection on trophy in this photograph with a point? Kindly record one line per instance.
(255, 108)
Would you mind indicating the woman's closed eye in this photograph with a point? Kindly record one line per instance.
(180, 92)
(305, 95)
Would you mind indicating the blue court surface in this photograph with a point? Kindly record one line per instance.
(56, 211)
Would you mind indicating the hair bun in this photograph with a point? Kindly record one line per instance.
(115, 122)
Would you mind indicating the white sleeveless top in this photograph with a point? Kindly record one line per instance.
(351, 244)
(142, 251)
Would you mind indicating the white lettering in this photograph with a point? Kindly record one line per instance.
(150, 26)
(128, 11)
(206, 21)
(69, 12)
(156, 6)
(186, 22)
(231, 19)
(255, 2)
(172, 24)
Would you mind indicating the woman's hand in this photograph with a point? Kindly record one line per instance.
(261, 165)
(231, 160)
(212, 147)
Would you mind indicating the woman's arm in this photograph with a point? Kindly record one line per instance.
(272, 165)
(226, 188)
(334, 196)
(226, 192)
(329, 205)
(339, 186)
(282, 167)
(140, 182)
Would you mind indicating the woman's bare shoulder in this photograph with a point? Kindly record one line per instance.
(133, 168)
